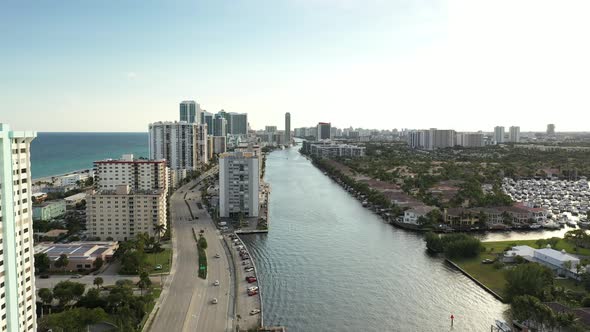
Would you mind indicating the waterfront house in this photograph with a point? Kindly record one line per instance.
(460, 217)
(553, 259)
(412, 215)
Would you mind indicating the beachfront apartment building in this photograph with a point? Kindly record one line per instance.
(129, 198)
(239, 182)
(138, 174)
(182, 144)
(17, 271)
(121, 214)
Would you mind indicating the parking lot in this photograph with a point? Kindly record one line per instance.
(245, 303)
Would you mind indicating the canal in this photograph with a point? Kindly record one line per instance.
(328, 264)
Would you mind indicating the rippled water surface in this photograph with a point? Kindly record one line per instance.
(328, 264)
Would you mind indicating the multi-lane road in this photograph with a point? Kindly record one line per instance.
(185, 303)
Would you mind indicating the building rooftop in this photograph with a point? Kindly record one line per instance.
(75, 249)
(561, 256)
(47, 203)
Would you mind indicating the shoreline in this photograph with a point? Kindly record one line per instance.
(49, 177)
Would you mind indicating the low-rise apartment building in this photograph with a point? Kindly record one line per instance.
(49, 210)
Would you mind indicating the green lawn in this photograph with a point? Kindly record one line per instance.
(163, 258)
(485, 273)
(494, 278)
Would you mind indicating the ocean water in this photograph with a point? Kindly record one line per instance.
(59, 153)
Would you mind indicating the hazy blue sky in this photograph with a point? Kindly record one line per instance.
(468, 65)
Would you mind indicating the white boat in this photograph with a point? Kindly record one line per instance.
(571, 223)
(503, 326)
(551, 224)
(535, 226)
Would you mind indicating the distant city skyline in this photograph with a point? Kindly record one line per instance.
(115, 67)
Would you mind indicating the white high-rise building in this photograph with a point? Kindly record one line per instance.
(182, 144)
(129, 198)
(138, 174)
(499, 134)
(515, 134)
(239, 181)
(17, 270)
(121, 214)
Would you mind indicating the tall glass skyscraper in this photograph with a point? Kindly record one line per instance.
(190, 111)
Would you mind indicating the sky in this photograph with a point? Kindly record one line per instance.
(468, 65)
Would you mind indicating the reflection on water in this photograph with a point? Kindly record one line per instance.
(328, 264)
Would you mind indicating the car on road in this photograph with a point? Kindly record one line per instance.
(214, 301)
(245, 257)
(254, 312)
(158, 267)
(216, 283)
(252, 293)
(253, 288)
(217, 255)
(245, 262)
(76, 276)
(44, 276)
(251, 280)
(249, 269)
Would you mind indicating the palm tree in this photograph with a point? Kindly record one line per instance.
(46, 296)
(159, 229)
(98, 281)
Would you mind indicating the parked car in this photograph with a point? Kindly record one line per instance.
(249, 277)
(254, 312)
(250, 269)
(158, 267)
(214, 301)
(216, 283)
(44, 276)
(217, 255)
(252, 293)
(76, 276)
(251, 280)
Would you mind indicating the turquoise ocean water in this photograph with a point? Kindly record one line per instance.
(58, 153)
